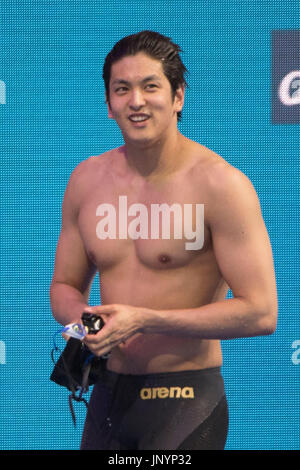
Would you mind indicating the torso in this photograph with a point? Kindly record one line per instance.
(153, 273)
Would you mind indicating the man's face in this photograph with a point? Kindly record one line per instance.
(141, 99)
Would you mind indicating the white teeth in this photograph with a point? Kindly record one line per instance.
(138, 118)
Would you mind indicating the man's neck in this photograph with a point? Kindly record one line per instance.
(156, 159)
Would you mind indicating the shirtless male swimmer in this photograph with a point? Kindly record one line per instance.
(164, 305)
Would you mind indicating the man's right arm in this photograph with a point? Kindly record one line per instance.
(73, 271)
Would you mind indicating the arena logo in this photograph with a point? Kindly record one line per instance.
(138, 228)
(289, 89)
(164, 392)
(2, 353)
(2, 92)
(285, 77)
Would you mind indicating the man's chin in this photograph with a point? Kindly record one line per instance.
(139, 141)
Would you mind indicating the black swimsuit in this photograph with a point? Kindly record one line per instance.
(172, 410)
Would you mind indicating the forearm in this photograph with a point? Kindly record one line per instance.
(67, 303)
(231, 318)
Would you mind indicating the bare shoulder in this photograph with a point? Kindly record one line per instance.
(224, 189)
(90, 167)
(85, 175)
(220, 178)
(232, 199)
(92, 170)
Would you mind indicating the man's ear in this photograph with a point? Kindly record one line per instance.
(108, 108)
(179, 98)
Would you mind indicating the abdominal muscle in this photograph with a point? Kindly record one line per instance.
(136, 280)
(144, 354)
(152, 353)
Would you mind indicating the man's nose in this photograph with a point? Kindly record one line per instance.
(137, 99)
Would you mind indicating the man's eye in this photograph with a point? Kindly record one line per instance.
(151, 85)
(120, 89)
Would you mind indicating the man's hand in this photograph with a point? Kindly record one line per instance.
(121, 322)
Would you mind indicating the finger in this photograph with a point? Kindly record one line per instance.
(102, 349)
(103, 336)
(93, 339)
(98, 309)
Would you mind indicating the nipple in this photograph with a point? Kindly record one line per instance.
(164, 258)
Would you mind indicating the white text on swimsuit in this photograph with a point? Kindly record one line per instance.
(153, 225)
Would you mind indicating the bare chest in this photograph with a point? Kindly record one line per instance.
(160, 227)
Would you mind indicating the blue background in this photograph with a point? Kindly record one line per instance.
(52, 54)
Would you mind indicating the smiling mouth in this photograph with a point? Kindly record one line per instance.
(137, 118)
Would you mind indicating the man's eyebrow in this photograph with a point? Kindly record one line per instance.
(146, 79)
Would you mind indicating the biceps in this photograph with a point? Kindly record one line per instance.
(72, 265)
(244, 255)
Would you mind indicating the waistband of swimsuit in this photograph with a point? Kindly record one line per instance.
(174, 374)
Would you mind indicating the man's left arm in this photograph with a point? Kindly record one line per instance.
(244, 255)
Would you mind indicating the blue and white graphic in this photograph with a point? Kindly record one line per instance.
(286, 76)
(75, 330)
